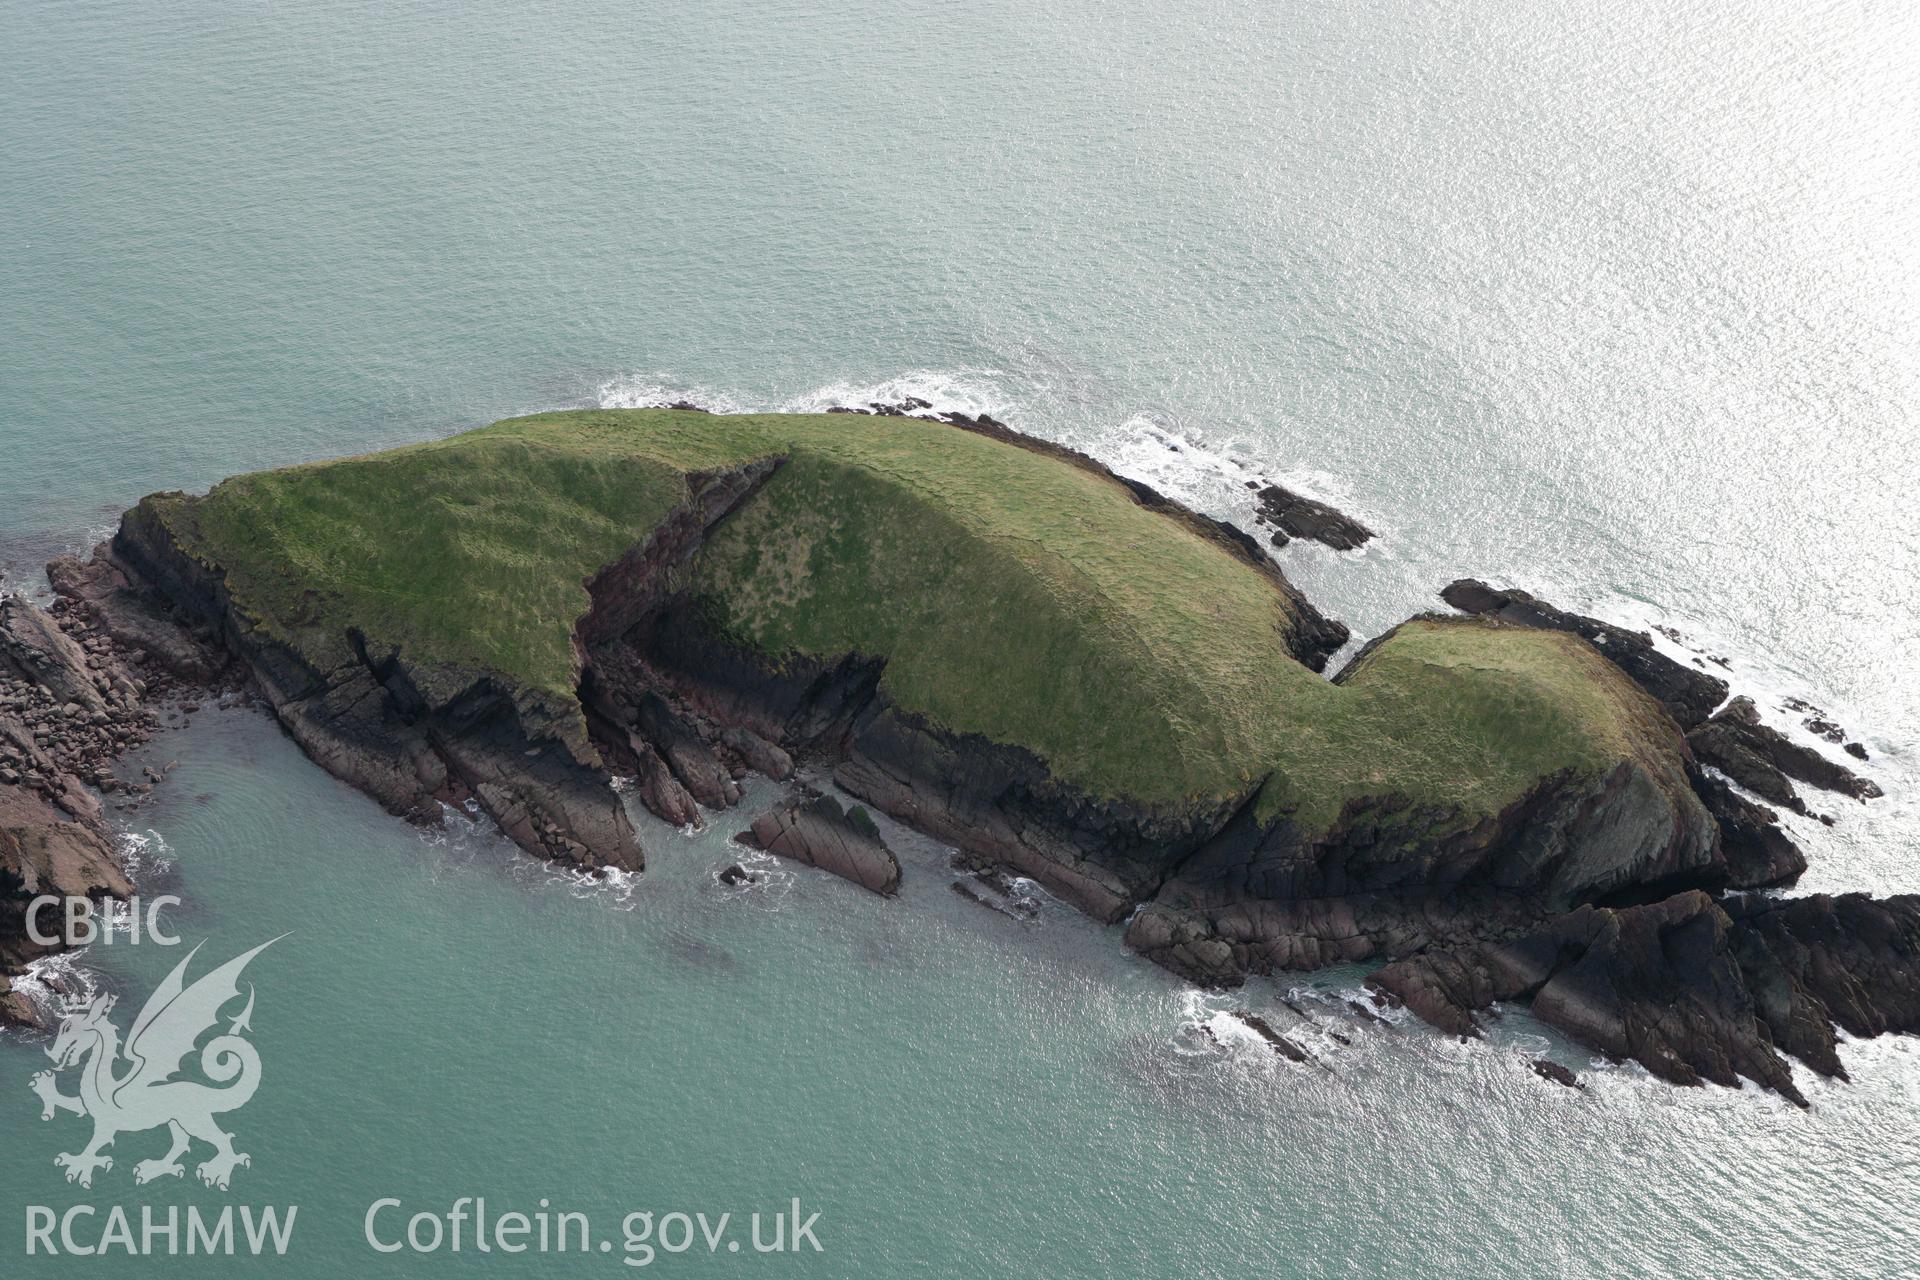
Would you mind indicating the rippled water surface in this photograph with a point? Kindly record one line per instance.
(1614, 301)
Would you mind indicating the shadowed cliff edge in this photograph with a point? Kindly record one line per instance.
(1054, 669)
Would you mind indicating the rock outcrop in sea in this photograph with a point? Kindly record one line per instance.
(816, 830)
(1292, 515)
(1766, 762)
(1523, 804)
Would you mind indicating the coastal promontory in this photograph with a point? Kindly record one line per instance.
(1053, 669)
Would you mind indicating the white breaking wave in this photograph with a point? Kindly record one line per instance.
(1219, 482)
(654, 391)
(143, 852)
(466, 839)
(969, 391)
(457, 826)
(608, 884)
(49, 980)
(1205, 1025)
(776, 884)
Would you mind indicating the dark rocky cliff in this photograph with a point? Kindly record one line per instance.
(1692, 989)
(411, 739)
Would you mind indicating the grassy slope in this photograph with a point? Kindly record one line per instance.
(471, 552)
(1016, 597)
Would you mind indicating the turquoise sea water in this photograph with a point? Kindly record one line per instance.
(1613, 301)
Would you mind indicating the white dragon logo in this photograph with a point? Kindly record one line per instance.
(146, 1095)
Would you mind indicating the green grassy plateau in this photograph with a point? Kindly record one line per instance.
(1014, 596)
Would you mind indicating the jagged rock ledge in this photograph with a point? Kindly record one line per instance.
(814, 829)
(75, 695)
(1762, 759)
(1692, 989)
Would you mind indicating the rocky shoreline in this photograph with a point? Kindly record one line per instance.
(1615, 903)
(1693, 985)
(76, 695)
(1691, 988)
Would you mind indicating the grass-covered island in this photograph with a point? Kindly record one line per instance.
(1003, 644)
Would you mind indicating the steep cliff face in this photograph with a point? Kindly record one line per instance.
(698, 709)
(1223, 888)
(417, 734)
(1388, 878)
(1392, 873)
(1000, 805)
(1048, 665)
(410, 737)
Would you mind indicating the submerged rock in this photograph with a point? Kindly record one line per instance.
(1822, 725)
(1548, 1069)
(991, 887)
(1278, 1043)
